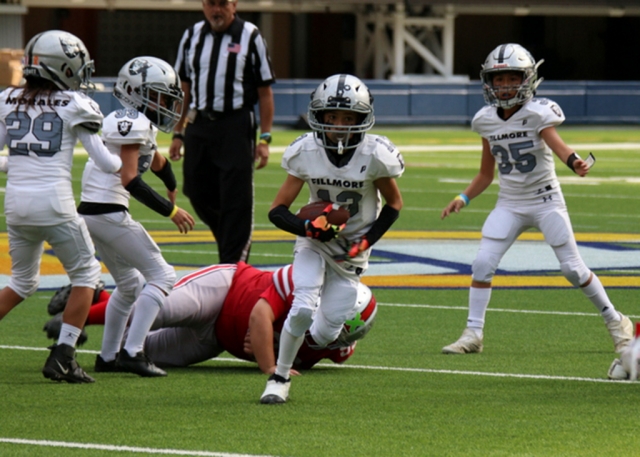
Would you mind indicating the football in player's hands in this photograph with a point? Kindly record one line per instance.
(336, 214)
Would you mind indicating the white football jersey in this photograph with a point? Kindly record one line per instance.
(350, 185)
(525, 162)
(40, 137)
(121, 127)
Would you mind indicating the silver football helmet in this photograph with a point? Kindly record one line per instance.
(151, 86)
(359, 325)
(510, 57)
(59, 57)
(341, 92)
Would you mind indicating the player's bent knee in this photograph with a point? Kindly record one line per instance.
(484, 266)
(86, 276)
(24, 289)
(166, 281)
(299, 321)
(576, 272)
(130, 288)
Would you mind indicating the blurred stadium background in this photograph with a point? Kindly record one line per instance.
(420, 57)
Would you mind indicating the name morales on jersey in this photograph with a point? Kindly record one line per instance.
(36, 101)
(337, 183)
(508, 136)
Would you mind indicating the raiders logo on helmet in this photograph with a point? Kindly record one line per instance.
(139, 67)
(124, 127)
(70, 47)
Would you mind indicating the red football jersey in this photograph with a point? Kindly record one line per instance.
(248, 286)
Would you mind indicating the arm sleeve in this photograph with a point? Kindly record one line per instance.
(107, 162)
(281, 217)
(385, 220)
(142, 192)
(166, 176)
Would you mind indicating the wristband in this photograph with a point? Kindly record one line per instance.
(178, 135)
(174, 211)
(464, 198)
(263, 142)
(572, 158)
(265, 138)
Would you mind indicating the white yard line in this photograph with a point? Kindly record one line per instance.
(109, 447)
(447, 147)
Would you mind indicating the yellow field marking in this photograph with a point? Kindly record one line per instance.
(462, 281)
(51, 266)
(170, 236)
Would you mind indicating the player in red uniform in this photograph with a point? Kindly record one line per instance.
(240, 309)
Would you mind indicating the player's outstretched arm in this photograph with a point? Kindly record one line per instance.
(177, 140)
(482, 180)
(261, 337)
(107, 162)
(161, 167)
(564, 152)
(142, 192)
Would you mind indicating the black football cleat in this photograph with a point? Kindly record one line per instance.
(140, 365)
(59, 300)
(106, 367)
(53, 326)
(61, 365)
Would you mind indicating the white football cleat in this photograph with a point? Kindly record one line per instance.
(277, 390)
(617, 371)
(630, 356)
(621, 332)
(468, 343)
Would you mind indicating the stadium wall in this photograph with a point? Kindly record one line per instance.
(583, 102)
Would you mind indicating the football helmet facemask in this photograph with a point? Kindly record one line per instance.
(341, 92)
(510, 57)
(59, 57)
(151, 86)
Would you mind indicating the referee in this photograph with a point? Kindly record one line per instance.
(225, 69)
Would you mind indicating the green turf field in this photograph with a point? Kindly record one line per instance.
(538, 389)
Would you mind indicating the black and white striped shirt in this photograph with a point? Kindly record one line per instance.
(224, 69)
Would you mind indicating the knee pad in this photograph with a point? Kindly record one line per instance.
(556, 229)
(484, 266)
(130, 288)
(323, 331)
(87, 275)
(576, 272)
(166, 281)
(24, 288)
(299, 321)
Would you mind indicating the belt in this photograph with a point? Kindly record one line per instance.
(216, 115)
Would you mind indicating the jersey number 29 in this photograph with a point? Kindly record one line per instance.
(46, 128)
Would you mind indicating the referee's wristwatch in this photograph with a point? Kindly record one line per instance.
(265, 138)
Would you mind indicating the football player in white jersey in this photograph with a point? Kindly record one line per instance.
(519, 135)
(41, 123)
(342, 164)
(149, 90)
